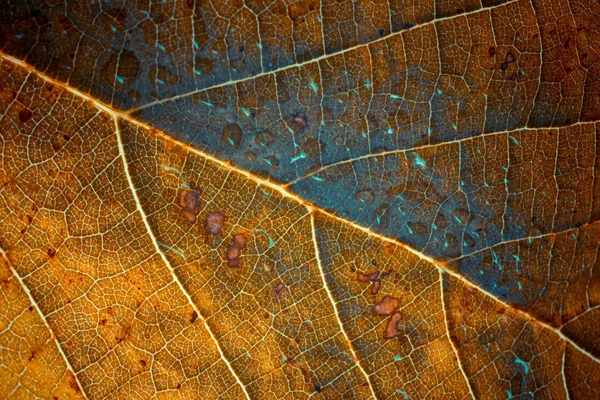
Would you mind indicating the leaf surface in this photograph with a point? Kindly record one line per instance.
(405, 199)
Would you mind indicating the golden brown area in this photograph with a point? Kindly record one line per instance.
(110, 289)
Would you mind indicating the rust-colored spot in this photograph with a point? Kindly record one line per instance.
(386, 306)
(51, 253)
(214, 222)
(189, 201)
(73, 383)
(233, 252)
(492, 51)
(391, 330)
(143, 363)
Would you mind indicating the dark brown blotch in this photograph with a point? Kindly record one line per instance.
(189, 201)
(214, 222)
(391, 330)
(233, 252)
(193, 317)
(386, 306)
(375, 279)
(25, 115)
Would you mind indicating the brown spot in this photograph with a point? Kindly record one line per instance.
(300, 120)
(362, 277)
(279, 288)
(194, 317)
(30, 308)
(375, 279)
(178, 386)
(386, 306)
(513, 77)
(214, 222)
(391, 330)
(509, 57)
(234, 250)
(51, 253)
(492, 51)
(189, 201)
(504, 66)
(143, 363)
(25, 115)
(375, 287)
(232, 134)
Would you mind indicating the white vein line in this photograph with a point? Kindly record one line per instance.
(317, 59)
(545, 235)
(164, 258)
(454, 349)
(434, 145)
(562, 370)
(37, 308)
(335, 310)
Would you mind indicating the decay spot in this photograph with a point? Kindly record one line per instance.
(386, 306)
(214, 222)
(300, 120)
(189, 201)
(143, 363)
(391, 331)
(279, 288)
(232, 134)
(510, 58)
(365, 196)
(317, 388)
(492, 51)
(235, 247)
(25, 115)
(375, 279)
(194, 317)
(51, 253)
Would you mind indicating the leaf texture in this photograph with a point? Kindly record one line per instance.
(299, 199)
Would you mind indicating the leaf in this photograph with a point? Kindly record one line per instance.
(401, 200)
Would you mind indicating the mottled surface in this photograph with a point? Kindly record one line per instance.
(468, 131)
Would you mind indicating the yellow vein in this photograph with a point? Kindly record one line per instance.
(317, 59)
(164, 258)
(37, 308)
(333, 303)
(282, 191)
(454, 349)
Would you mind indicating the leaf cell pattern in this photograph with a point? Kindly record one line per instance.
(294, 199)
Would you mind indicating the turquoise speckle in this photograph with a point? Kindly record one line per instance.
(514, 140)
(259, 45)
(197, 72)
(317, 178)
(524, 364)
(113, 28)
(419, 161)
(403, 393)
(120, 79)
(208, 103)
(439, 90)
(368, 84)
(246, 111)
(394, 96)
(195, 44)
(160, 46)
(398, 358)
